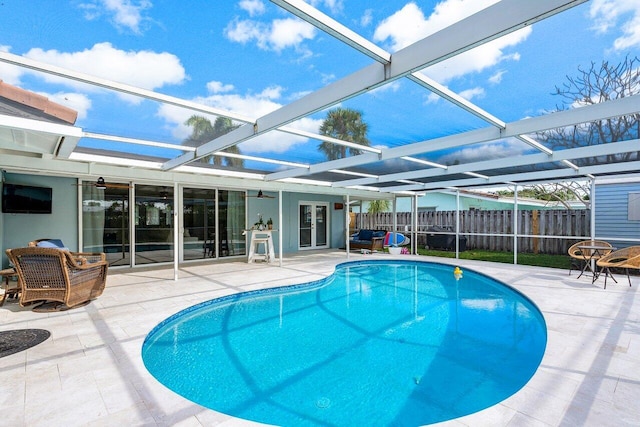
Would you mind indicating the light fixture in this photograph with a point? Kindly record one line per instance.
(260, 195)
(100, 184)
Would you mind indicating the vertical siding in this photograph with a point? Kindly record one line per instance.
(611, 210)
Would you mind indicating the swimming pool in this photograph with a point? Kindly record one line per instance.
(377, 343)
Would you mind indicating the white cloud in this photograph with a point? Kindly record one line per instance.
(606, 15)
(290, 32)
(334, 6)
(484, 151)
(124, 13)
(218, 87)
(297, 95)
(409, 25)
(253, 7)
(10, 73)
(250, 105)
(328, 78)
(469, 94)
(394, 86)
(76, 101)
(497, 77)
(144, 69)
(432, 98)
(281, 142)
(367, 18)
(280, 34)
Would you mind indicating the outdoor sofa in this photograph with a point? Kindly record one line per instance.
(367, 239)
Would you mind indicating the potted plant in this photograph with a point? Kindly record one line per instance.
(270, 224)
(260, 224)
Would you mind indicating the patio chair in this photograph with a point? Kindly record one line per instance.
(54, 275)
(81, 257)
(627, 258)
(580, 257)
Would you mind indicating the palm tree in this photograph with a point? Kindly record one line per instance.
(203, 131)
(376, 206)
(345, 124)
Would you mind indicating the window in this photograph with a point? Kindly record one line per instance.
(634, 207)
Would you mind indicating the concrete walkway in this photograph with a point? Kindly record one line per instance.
(90, 372)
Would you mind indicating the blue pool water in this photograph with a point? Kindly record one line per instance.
(377, 343)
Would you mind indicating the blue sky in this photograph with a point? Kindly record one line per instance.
(251, 57)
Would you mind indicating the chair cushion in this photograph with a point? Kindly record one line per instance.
(379, 233)
(52, 243)
(365, 235)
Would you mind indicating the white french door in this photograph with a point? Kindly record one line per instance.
(313, 225)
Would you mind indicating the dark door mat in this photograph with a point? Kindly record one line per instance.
(21, 339)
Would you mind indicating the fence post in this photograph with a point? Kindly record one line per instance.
(535, 230)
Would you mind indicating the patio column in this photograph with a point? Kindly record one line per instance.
(395, 221)
(592, 213)
(176, 229)
(515, 224)
(414, 221)
(457, 223)
(592, 217)
(280, 238)
(347, 218)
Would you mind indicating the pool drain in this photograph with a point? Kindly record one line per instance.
(323, 403)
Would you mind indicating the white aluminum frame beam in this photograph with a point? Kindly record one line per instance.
(567, 173)
(600, 150)
(119, 87)
(526, 160)
(446, 93)
(151, 95)
(330, 26)
(488, 24)
(613, 108)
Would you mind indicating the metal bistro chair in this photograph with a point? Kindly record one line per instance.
(580, 257)
(627, 258)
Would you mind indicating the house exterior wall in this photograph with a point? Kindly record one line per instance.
(611, 213)
(63, 223)
(290, 206)
(19, 229)
(447, 202)
(290, 202)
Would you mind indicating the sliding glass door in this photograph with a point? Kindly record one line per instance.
(199, 223)
(231, 223)
(105, 223)
(212, 223)
(153, 221)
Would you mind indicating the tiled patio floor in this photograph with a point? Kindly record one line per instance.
(90, 372)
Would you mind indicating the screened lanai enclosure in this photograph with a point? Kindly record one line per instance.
(201, 107)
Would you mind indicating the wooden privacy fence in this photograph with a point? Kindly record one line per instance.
(542, 231)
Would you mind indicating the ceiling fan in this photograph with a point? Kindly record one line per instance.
(261, 196)
(101, 184)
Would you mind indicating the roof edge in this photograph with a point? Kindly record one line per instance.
(38, 102)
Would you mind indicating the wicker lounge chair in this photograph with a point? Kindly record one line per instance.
(81, 257)
(626, 258)
(47, 274)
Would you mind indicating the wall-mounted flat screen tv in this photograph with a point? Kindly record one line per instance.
(26, 199)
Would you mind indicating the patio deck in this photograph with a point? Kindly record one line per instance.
(89, 372)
